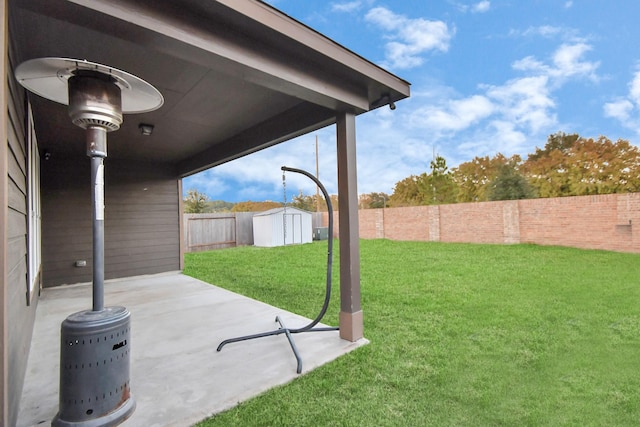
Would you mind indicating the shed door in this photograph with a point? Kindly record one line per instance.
(293, 228)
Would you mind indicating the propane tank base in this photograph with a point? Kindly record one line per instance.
(94, 369)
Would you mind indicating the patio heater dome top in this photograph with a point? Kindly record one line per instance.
(49, 78)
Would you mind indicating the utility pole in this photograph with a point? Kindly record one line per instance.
(317, 177)
(433, 162)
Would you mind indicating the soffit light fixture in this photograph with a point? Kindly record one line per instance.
(146, 129)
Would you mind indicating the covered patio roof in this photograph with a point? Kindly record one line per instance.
(237, 76)
(178, 377)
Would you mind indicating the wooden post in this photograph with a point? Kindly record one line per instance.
(351, 321)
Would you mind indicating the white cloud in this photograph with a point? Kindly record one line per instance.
(548, 31)
(626, 109)
(500, 118)
(568, 4)
(526, 102)
(453, 115)
(510, 139)
(634, 89)
(258, 174)
(566, 62)
(504, 117)
(346, 7)
(498, 136)
(620, 109)
(569, 62)
(530, 63)
(481, 7)
(409, 38)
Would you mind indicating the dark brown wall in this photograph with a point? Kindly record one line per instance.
(142, 234)
(21, 313)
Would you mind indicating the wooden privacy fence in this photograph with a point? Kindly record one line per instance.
(204, 232)
(217, 230)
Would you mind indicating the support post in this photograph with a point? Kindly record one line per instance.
(351, 320)
(181, 226)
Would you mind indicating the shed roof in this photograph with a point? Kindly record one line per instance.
(237, 75)
(282, 210)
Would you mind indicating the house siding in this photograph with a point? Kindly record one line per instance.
(142, 219)
(20, 310)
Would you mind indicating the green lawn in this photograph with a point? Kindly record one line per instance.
(461, 335)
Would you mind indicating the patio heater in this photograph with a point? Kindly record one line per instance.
(95, 344)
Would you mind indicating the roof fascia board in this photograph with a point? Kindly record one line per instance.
(292, 28)
(255, 66)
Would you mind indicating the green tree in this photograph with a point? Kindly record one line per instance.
(373, 200)
(604, 167)
(250, 206)
(475, 177)
(439, 187)
(559, 141)
(219, 206)
(195, 202)
(334, 203)
(547, 168)
(407, 192)
(510, 184)
(570, 165)
(426, 189)
(304, 202)
(322, 205)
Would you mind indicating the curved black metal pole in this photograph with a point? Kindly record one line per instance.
(327, 297)
(309, 327)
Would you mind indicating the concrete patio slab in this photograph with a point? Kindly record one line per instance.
(177, 376)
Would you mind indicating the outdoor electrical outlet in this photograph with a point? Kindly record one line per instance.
(81, 263)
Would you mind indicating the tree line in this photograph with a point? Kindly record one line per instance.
(197, 202)
(568, 165)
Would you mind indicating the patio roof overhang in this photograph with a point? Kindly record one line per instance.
(237, 76)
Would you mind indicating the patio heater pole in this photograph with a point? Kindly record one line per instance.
(97, 150)
(95, 387)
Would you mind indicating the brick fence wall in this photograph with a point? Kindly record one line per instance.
(610, 222)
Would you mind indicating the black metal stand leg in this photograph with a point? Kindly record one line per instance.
(249, 337)
(292, 344)
(282, 330)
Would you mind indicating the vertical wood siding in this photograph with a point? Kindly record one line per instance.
(142, 219)
(21, 315)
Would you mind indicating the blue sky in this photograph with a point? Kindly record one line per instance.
(486, 77)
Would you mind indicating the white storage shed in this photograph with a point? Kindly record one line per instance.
(282, 226)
